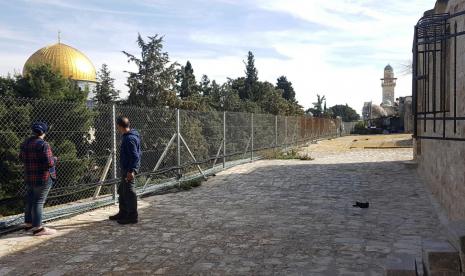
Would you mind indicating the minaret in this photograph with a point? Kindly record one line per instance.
(389, 84)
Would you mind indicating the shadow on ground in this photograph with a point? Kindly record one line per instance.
(269, 217)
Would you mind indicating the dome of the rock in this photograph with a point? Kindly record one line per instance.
(68, 61)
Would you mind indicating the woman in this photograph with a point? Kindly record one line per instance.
(39, 173)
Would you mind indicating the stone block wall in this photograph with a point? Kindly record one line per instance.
(442, 162)
(442, 165)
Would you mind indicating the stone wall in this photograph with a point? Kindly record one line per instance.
(405, 113)
(408, 118)
(442, 165)
(442, 162)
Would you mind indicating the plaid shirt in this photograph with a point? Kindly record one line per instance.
(39, 163)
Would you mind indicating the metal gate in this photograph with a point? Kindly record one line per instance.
(436, 98)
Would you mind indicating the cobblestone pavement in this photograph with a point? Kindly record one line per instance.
(269, 217)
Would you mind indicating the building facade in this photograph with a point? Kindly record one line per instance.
(439, 103)
(405, 113)
(367, 111)
(389, 105)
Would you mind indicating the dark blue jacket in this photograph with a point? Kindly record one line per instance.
(130, 152)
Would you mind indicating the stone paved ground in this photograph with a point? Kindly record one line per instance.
(269, 217)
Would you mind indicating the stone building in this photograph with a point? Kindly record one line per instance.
(367, 111)
(439, 103)
(388, 83)
(389, 105)
(393, 114)
(405, 113)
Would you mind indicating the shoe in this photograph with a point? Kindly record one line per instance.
(362, 205)
(26, 227)
(44, 231)
(128, 221)
(116, 217)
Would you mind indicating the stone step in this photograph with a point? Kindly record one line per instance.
(440, 258)
(411, 164)
(456, 235)
(400, 265)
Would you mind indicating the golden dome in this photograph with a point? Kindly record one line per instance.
(70, 62)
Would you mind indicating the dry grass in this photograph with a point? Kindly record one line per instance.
(342, 144)
(358, 142)
(290, 154)
(382, 141)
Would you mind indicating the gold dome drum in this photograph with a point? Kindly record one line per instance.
(70, 62)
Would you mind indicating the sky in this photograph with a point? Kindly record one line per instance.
(336, 48)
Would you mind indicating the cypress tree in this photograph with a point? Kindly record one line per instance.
(105, 91)
(188, 83)
(251, 78)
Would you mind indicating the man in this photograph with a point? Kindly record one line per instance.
(40, 174)
(130, 155)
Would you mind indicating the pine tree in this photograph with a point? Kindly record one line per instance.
(41, 81)
(272, 102)
(154, 82)
(215, 98)
(188, 83)
(286, 86)
(215, 88)
(7, 86)
(205, 86)
(347, 113)
(105, 91)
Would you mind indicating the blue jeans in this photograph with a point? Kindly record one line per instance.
(35, 200)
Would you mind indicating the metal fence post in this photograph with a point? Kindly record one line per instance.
(275, 131)
(305, 129)
(224, 139)
(115, 164)
(251, 143)
(178, 144)
(285, 133)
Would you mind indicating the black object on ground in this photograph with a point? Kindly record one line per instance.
(363, 205)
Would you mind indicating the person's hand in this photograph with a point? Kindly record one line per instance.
(130, 176)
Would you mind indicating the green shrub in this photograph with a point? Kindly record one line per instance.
(291, 154)
(187, 185)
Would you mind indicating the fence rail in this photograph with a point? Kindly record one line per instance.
(177, 145)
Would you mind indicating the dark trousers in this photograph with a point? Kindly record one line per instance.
(35, 200)
(127, 198)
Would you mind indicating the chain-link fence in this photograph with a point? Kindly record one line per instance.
(348, 128)
(177, 145)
